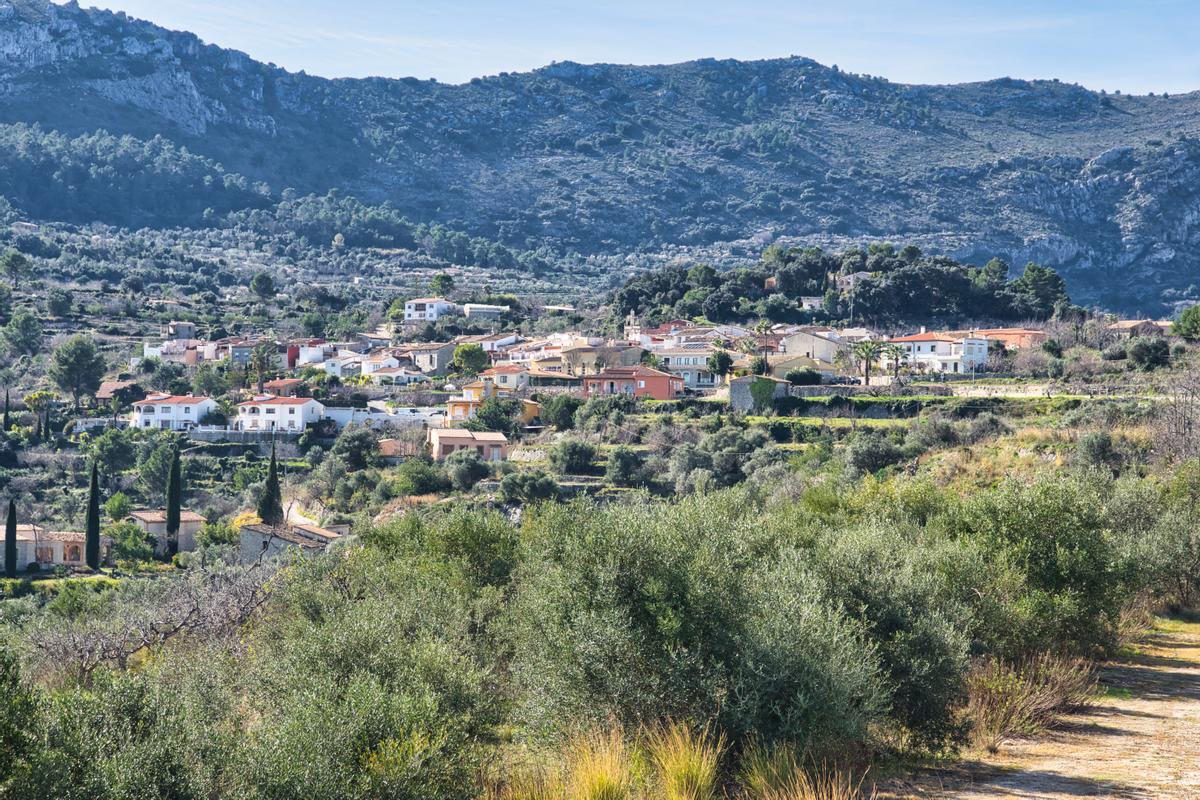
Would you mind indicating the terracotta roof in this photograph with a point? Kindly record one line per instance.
(282, 382)
(505, 369)
(641, 371)
(173, 399)
(428, 300)
(160, 515)
(109, 388)
(460, 433)
(277, 401)
(1127, 324)
(922, 337)
(303, 535)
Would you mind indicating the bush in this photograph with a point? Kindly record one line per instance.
(1054, 534)
(519, 488)
(129, 542)
(1096, 449)
(465, 468)
(682, 611)
(803, 377)
(1006, 701)
(573, 457)
(624, 467)
(1114, 352)
(871, 451)
(559, 410)
(1149, 352)
(418, 476)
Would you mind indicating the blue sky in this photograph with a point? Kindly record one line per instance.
(1138, 47)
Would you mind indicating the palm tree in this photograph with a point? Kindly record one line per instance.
(896, 354)
(867, 352)
(262, 359)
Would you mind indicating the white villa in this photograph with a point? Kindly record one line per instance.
(428, 309)
(939, 352)
(170, 411)
(270, 413)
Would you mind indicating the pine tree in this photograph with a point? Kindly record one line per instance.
(92, 534)
(10, 541)
(270, 505)
(174, 500)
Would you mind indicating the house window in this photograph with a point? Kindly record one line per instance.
(291, 411)
(270, 411)
(187, 409)
(641, 384)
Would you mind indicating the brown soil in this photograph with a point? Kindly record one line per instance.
(1141, 739)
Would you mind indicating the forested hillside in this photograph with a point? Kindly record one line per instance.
(709, 159)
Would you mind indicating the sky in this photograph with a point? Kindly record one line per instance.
(1133, 46)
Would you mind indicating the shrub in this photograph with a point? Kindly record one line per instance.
(1055, 535)
(559, 410)
(418, 476)
(803, 377)
(465, 468)
(533, 486)
(624, 467)
(1096, 449)
(572, 457)
(1149, 352)
(1114, 352)
(871, 451)
(1005, 701)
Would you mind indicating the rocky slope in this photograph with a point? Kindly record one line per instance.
(619, 159)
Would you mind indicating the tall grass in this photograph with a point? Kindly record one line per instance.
(778, 773)
(687, 762)
(601, 767)
(1006, 701)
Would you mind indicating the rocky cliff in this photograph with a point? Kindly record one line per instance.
(615, 159)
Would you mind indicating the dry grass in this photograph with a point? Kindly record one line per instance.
(687, 762)
(778, 773)
(600, 767)
(1005, 701)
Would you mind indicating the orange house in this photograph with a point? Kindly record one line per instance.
(639, 381)
(1015, 338)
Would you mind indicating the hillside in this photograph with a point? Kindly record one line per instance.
(710, 158)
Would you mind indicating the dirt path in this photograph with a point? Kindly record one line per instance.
(1140, 740)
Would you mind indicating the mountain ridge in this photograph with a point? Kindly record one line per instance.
(637, 159)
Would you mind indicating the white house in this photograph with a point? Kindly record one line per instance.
(938, 352)
(428, 309)
(170, 411)
(343, 366)
(689, 363)
(809, 303)
(270, 413)
(396, 376)
(819, 345)
(484, 310)
(153, 522)
(378, 361)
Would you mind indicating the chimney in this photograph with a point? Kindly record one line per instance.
(922, 329)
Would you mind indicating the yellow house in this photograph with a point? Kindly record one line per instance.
(461, 409)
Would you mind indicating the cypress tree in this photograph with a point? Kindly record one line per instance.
(37, 431)
(92, 533)
(174, 500)
(270, 505)
(10, 541)
(6, 420)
